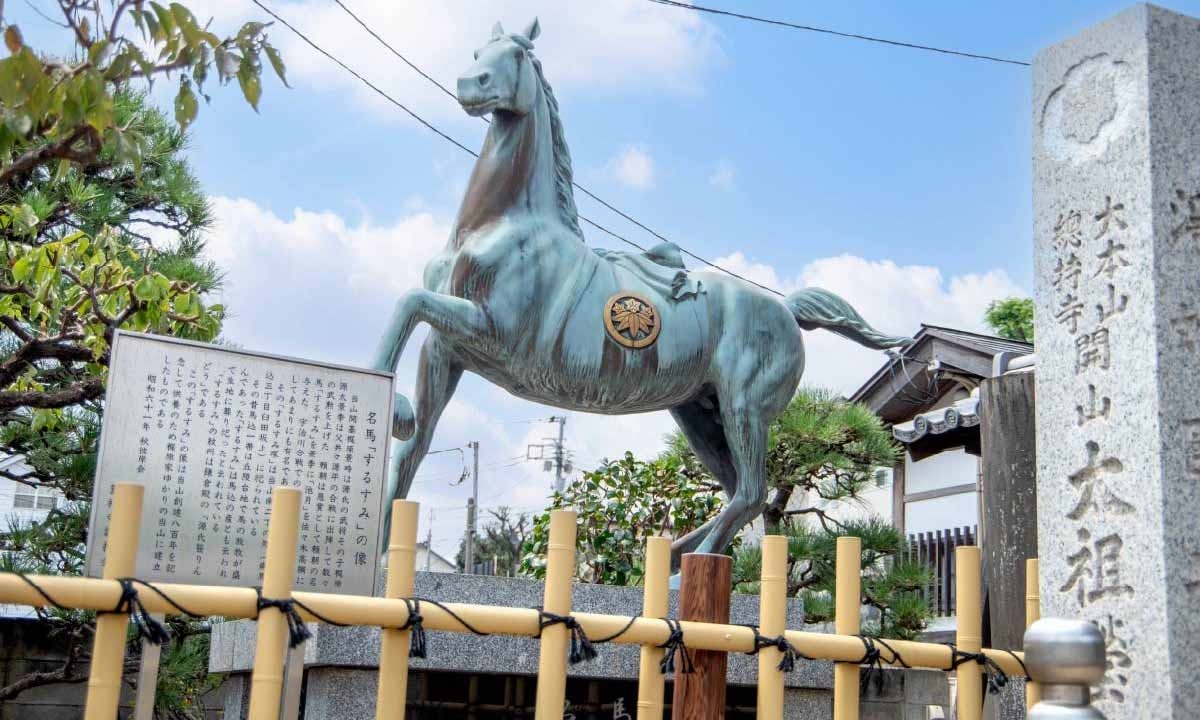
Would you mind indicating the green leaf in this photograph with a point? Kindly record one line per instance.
(276, 62)
(186, 105)
(13, 40)
(249, 81)
(23, 267)
(44, 419)
(146, 289)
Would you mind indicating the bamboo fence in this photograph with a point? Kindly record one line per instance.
(394, 613)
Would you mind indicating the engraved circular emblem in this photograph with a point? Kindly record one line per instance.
(631, 320)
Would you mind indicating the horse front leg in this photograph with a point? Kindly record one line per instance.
(437, 379)
(454, 317)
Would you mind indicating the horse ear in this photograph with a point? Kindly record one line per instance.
(497, 30)
(533, 30)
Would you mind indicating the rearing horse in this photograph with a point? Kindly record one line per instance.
(517, 297)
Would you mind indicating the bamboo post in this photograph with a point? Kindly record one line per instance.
(147, 680)
(1033, 613)
(651, 683)
(108, 649)
(847, 621)
(560, 572)
(969, 636)
(279, 574)
(772, 621)
(393, 653)
(704, 596)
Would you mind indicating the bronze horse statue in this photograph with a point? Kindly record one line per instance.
(518, 298)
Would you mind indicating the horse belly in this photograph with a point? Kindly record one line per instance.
(584, 368)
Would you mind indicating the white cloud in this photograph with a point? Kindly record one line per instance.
(722, 176)
(297, 285)
(600, 46)
(632, 167)
(895, 299)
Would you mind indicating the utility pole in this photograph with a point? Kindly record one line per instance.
(429, 542)
(558, 453)
(560, 463)
(472, 508)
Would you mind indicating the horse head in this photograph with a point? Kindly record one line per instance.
(502, 78)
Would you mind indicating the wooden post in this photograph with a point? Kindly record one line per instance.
(293, 684)
(651, 683)
(560, 573)
(1008, 522)
(847, 621)
(393, 654)
(969, 636)
(108, 649)
(772, 621)
(279, 574)
(147, 681)
(704, 596)
(1033, 613)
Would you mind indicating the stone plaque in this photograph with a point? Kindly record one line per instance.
(1116, 220)
(209, 431)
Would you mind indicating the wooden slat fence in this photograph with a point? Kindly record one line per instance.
(935, 550)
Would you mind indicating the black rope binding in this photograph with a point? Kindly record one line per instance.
(149, 629)
(675, 643)
(418, 646)
(297, 632)
(996, 677)
(873, 659)
(166, 598)
(618, 633)
(787, 663)
(49, 599)
(581, 647)
(1019, 662)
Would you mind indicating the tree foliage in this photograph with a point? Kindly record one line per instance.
(620, 504)
(1011, 318)
(501, 539)
(822, 455)
(100, 229)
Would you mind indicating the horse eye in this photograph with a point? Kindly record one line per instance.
(476, 54)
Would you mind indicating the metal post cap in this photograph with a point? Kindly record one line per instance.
(1064, 652)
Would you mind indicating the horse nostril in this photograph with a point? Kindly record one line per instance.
(484, 79)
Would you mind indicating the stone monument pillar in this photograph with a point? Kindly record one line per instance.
(1116, 194)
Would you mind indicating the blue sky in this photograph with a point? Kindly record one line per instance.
(895, 177)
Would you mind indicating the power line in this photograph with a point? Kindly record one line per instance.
(459, 145)
(827, 31)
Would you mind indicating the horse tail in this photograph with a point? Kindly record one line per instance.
(816, 308)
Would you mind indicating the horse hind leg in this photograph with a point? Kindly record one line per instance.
(700, 422)
(746, 434)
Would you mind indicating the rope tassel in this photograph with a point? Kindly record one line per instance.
(418, 645)
(149, 629)
(673, 644)
(297, 631)
(997, 679)
(581, 648)
(787, 663)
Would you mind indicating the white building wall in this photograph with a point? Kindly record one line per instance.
(946, 469)
(11, 516)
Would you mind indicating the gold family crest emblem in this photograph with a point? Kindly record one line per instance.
(631, 320)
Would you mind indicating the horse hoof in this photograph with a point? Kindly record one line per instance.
(404, 422)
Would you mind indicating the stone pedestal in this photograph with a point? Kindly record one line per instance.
(1116, 193)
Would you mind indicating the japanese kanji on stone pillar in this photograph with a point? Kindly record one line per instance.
(1116, 173)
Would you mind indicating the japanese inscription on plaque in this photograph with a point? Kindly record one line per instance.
(209, 431)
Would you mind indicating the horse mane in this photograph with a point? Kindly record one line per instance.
(562, 156)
